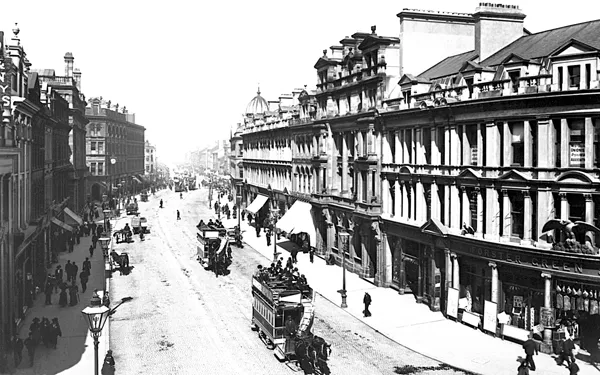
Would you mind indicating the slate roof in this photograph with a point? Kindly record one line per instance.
(544, 43)
(450, 65)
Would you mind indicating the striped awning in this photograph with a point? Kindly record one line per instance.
(73, 217)
(257, 204)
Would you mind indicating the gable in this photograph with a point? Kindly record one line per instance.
(571, 50)
(469, 173)
(513, 175)
(323, 62)
(573, 47)
(435, 227)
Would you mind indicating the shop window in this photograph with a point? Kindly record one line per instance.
(522, 299)
(516, 213)
(518, 144)
(576, 143)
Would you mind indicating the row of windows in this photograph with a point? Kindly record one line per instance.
(97, 168)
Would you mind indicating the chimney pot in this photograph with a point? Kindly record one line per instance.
(373, 28)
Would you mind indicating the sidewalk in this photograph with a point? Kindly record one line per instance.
(75, 349)
(408, 323)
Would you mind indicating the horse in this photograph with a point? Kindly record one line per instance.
(323, 351)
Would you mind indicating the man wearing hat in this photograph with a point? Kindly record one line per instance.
(58, 275)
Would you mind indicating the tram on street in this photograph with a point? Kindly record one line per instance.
(212, 249)
(283, 314)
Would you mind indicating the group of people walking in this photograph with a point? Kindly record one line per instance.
(40, 331)
(69, 290)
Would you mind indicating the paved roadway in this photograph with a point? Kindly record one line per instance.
(184, 320)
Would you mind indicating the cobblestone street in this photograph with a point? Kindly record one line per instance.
(183, 317)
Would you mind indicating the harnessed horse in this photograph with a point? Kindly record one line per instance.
(313, 352)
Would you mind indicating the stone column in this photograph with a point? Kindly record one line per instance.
(589, 143)
(494, 294)
(385, 196)
(507, 149)
(527, 219)
(406, 147)
(564, 143)
(398, 151)
(546, 346)
(455, 271)
(455, 150)
(506, 216)
(405, 200)
(447, 274)
(564, 212)
(435, 201)
(402, 273)
(492, 213)
(466, 209)
(447, 146)
(435, 149)
(398, 199)
(589, 214)
(480, 208)
(454, 208)
(344, 165)
(527, 145)
(480, 131)
(420, 205)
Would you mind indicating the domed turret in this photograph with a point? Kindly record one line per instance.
(257, 105)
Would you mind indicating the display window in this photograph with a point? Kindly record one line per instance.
(522, 297)
(475, 285)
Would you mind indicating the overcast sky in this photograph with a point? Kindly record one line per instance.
(187, 69)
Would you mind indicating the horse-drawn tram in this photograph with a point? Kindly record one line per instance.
(283, 315)
(212, 252)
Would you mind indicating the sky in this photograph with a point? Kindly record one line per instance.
(188, 69)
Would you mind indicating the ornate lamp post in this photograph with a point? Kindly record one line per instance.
(106, 215)
(344, 237)
(239, 210)
(104, 244)
(96, 315)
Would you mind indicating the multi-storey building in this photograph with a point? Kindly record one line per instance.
(115, 150)
(236, 167)
(474, 180)
(69, 88)
(150, 162)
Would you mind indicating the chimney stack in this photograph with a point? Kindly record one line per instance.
(69, 64)
(496, 26)
(77, 77)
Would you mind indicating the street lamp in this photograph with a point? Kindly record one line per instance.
(274, 213)
(106, 214)
(104, 243)
(344, 240)
(96, 315)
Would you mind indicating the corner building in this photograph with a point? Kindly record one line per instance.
(481, 154)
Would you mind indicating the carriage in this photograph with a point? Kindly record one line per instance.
(212, 251)
(139, 224)
(132, 208)
(275, 305)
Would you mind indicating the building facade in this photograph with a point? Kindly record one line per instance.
(69, 88)
(115, 150)
(150, 162)
(472, 176)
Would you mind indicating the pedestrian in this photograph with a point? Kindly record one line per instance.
(523, 369)
(94, 240)
(178, 215)
(78, 235)
(294, 253)
(530, 347)
(58, 276)
(268, 235)
(74, 269)
(62, 299)
(567, 352)
(87, 265)
(74, 294)
(68, 270)
(91, 250)
(311, 254)
(108, 367)
(367, 301)
(243, 215)
(30, 345)
(257, 230)
(55, 332)
(18, 350)
(84, 278)
(48, 291)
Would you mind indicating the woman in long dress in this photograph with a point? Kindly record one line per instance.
(74, 294)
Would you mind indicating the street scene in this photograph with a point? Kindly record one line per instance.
(322, 188)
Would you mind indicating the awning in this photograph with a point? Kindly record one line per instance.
(29, 240)
(136, 179)
(141, 178)
(61, 224)
(299, 219)
(257, 204)
(72, 217)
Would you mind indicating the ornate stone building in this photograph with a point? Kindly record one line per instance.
(115, 150)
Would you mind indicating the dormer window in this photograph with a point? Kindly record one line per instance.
(406, 95)
(469, 82)
(514, 78)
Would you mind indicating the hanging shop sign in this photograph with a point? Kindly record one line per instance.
(541, 261)
(5, 84)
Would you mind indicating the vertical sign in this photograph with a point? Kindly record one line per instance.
(490, 316)
(5, 107)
